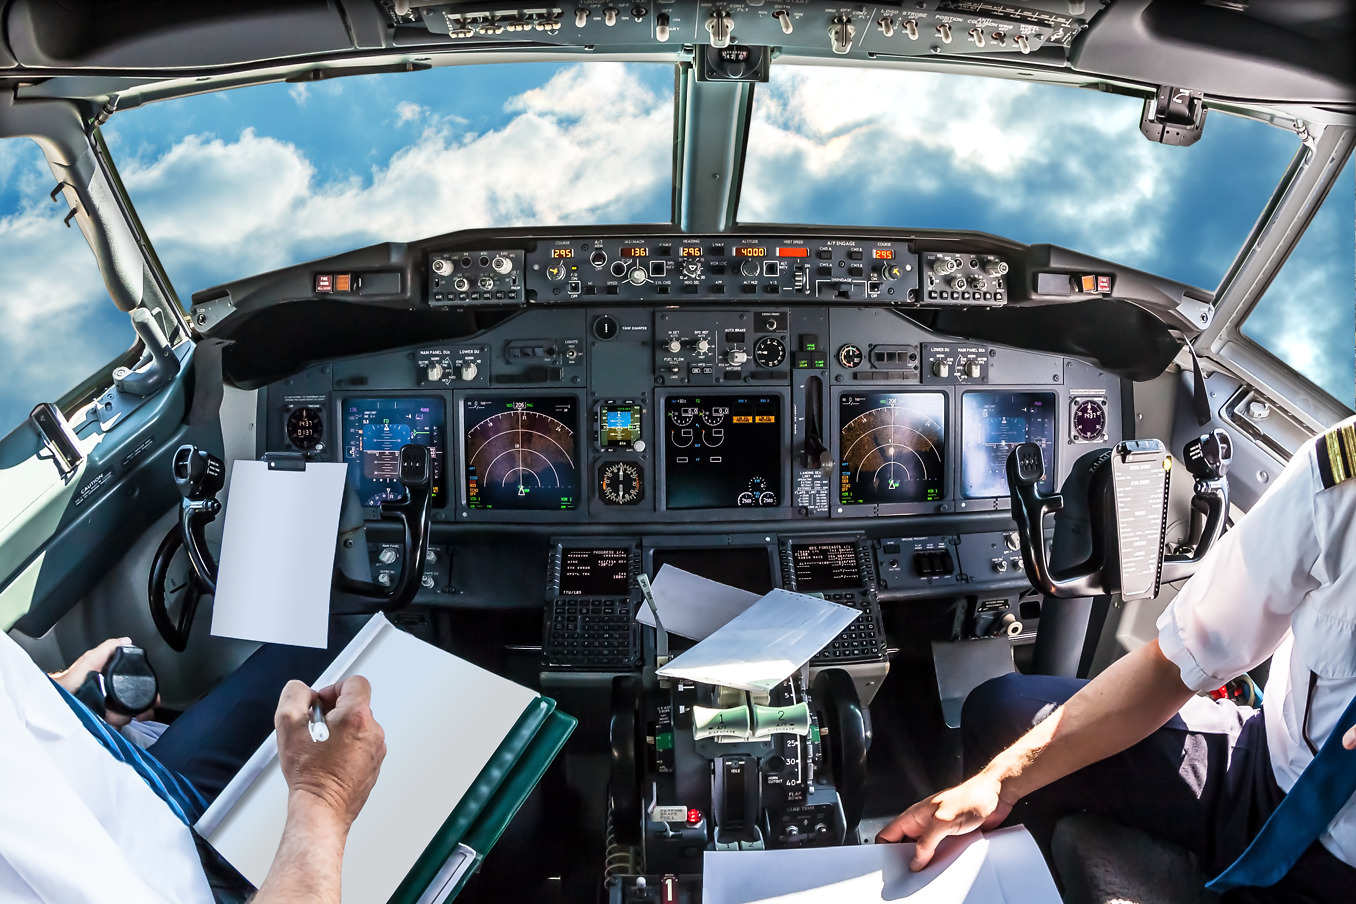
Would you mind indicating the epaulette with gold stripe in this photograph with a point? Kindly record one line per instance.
(1337, 454)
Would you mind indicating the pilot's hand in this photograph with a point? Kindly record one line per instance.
(975, 804)
(94, 661)
(336, 774)
(1349, 739)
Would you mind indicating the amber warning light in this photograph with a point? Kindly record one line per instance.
(793, 252)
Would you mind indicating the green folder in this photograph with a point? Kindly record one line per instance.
(453, 855)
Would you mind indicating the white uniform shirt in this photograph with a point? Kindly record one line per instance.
(76, 825)
(1283, 581)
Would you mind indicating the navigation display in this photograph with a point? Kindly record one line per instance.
(595, 572)
(375, 430)
(817, 567)
(892, 447)
(520, 452)
(722, 451)
(992, 423)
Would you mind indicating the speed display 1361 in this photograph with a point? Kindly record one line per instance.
(521, 453)
(893, 447)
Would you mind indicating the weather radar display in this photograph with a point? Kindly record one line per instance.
(893, 447)
(521, 453)
(376, 429)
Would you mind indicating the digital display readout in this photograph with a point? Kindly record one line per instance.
(884, 254)
(690, 251)
(825, 566)
(722, 451)
(793, 252)
(595, 572)
(635, 251)
(375, 429)
(618, 426)
(520, 453)
(993, 424)
(750, 251)
(562, 254)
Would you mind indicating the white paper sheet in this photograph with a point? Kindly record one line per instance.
(277, 553)
(764, 644)
(693, 606)
(443, 717)
(1004, 867)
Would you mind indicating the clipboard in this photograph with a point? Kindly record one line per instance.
(449, 786)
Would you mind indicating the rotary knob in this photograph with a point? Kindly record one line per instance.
(941, 368)
(973, 369)
(442, 266)
(431, 558)
(736, 357)
(387, 556)
(749, 267)
(467, 370)
(958, 283)
(674, 346)
(637, 276)
(434, 372)
(702, 346)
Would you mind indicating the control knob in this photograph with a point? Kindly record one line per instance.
(736, 357)
(749, 267)
(385, 579)
(958, 283)
(431, 558)
(674, 346)
(461, 284)
(973, 369)
(502, 264)
(442, 266)
(637, 276)
(996, 268)
(692, 269)
(387, 556)
(467, 370)
(944, 265)
(941, 368)
(485, 282)
(426, 581)
(1000, 565)
(702, 346)
(435, 372)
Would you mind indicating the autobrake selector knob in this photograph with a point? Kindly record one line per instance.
(736, 357)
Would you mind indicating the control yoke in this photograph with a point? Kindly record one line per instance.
(199, 476)
(1207, 458)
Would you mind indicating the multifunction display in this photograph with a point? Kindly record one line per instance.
(893, 447)
(722, 451)
(520, 452)
(817, 567)
(992, 424)
(595, 572)
(375, 430)
(618, 425)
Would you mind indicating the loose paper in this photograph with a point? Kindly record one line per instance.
(1003, 867)
(443, 718)
(764, 644)
(693, 606)
(277, 553)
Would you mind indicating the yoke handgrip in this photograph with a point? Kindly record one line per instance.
(1026, 470)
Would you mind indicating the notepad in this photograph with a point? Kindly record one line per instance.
(444, 719)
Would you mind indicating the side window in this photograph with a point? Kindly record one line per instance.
(57, 324)
(1307, 318)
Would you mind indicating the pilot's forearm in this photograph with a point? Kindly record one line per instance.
(308, 865)
(1117, 709)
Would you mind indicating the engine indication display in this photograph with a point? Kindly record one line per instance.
(375, 430)
(521, 453)
(893, 447)
(722, 451)
(992, 424)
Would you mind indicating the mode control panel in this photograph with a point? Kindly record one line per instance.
(475, 277)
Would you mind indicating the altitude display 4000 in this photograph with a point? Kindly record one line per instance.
(521, 453)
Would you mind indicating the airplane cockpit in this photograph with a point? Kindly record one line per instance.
(955, 315)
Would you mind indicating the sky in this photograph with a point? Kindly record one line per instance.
(241, 182)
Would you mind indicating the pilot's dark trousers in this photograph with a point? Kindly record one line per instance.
(211, 741)
(1203, 781)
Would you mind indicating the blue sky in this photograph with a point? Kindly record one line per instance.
(241, 182)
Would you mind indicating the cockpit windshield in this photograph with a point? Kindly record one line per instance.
(239, 182)
(1028, 161)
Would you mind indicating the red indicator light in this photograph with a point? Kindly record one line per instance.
(793, 252)
(694, 816)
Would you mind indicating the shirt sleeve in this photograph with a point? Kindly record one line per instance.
(1235, 610)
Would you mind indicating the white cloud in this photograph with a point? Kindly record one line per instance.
(300, 93)
(234, 207)
(407, 111)
(878, 135)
